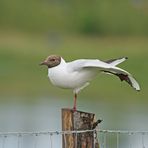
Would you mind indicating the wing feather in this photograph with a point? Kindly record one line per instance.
(104, 67)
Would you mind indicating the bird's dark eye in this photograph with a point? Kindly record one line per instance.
(52, 60)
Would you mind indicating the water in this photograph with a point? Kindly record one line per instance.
(45, 115)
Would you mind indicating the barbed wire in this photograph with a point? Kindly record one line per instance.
(70, 132)
(106, 138)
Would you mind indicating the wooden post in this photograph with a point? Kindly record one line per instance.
(75, 121)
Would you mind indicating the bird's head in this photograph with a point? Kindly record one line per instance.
(51, 61)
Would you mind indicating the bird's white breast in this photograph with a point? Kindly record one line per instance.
(58, 76)
(61, 77)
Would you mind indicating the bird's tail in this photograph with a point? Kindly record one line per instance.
(115, 62)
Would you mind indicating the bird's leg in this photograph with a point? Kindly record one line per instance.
(75, 102)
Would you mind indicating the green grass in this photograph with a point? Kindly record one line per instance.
(109, 17)
(20, 74)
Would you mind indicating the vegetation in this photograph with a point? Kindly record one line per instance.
(32, 30)
(103, 17)
(21, 75)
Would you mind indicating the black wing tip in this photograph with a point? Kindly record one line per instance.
(124, 57)
(112, 60)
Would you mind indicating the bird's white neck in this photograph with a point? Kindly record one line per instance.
(62, 61)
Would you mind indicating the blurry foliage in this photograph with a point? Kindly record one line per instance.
(21, 75)
(32, 29)
(102, 17)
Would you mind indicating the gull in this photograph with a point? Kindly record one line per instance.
(77, 74)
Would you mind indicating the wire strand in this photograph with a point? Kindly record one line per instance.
(70, 132)
(104, 141)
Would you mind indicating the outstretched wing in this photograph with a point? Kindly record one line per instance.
(105, 67)
(78, 65)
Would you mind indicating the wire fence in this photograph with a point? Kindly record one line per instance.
(53, 139)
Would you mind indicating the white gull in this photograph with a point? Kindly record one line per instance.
(77, 74)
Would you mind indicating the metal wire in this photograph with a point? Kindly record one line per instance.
(117, 140)
(51, 139)
(130, 141)
(143, 145)
(3, 141)
(104, 139)
(76, 134)
(70, 132)
(19, 141)
(107, 136)
(35, 140)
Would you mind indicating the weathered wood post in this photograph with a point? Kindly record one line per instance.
(76, 121)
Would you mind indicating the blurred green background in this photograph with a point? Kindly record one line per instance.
(30, 30)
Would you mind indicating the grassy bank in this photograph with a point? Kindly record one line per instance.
(20, 54)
